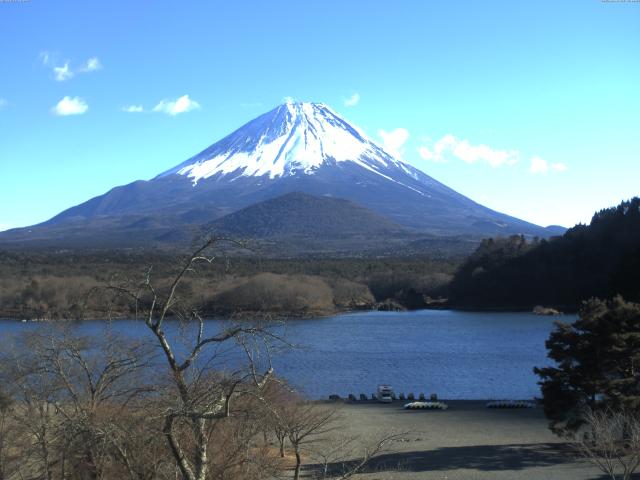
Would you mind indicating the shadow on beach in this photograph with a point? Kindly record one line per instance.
(481, 457)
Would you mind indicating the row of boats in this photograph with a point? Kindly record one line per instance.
(385, 394)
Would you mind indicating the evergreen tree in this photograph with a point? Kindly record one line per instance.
(597, 364)
(599, 260)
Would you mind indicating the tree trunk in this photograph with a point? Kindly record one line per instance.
(296, 474)
(199, 427)
(48, 474)
(176, 450)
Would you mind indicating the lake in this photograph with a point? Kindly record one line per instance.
(457, 355)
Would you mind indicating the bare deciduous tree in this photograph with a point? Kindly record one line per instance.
(72, 397)
(344, 457)
(305, 424)
(104, 407)
(611, 441)
(10, 438)
(310, 427)
(201, 399)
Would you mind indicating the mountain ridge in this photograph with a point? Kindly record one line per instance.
(295, 147)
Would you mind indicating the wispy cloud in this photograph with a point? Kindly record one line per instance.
(541, 166)
(133, 108)
(91, 65)
(62, 71)
(451, 146)
(174, 107)
(352, 101)
(70, 106)
(3, 103)
(46, 58)
(559, 167)
(393, 141)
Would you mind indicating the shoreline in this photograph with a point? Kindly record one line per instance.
(456, 402)
(280, 316)
(466, 441)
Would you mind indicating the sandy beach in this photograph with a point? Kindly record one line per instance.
(467, 441)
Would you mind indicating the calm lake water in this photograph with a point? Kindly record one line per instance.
(458, 355)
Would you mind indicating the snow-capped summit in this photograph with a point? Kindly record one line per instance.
(296, 147)
(294, 138)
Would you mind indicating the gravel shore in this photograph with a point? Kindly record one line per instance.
(467, 441)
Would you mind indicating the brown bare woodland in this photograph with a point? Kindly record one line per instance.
(51, 284)
(108, 408)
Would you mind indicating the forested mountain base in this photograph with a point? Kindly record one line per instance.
(53, 285)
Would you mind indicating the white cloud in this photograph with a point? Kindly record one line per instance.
(538, 165)
(91, 65)
(62, 73)
(46, 57)
(133, 108)
(483, 153)
(427, 154)
(352, 101)
(174, 107)
(65, 72)
(437, 151)
(393, 141)
(449, 145)
(70, 106)
(541, 166)
(430, 155)
(3, 103)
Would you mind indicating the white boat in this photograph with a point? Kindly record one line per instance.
(384, 394)
(425, 406)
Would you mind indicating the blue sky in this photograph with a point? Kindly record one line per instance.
(531, 108)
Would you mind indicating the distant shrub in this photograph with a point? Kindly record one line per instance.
(49, 296)
(269, 292)
(348, 294)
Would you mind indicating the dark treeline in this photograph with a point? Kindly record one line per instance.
(598, 260)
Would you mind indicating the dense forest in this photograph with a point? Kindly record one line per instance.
(55, 284)
(597, 260)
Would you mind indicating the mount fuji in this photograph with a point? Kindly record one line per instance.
(296, 147)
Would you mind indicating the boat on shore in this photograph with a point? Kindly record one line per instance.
(384, 394)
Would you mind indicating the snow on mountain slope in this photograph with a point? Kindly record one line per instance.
(296, 147)
(291, 139)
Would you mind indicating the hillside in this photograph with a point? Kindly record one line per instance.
(598, 260)
(300, 214)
